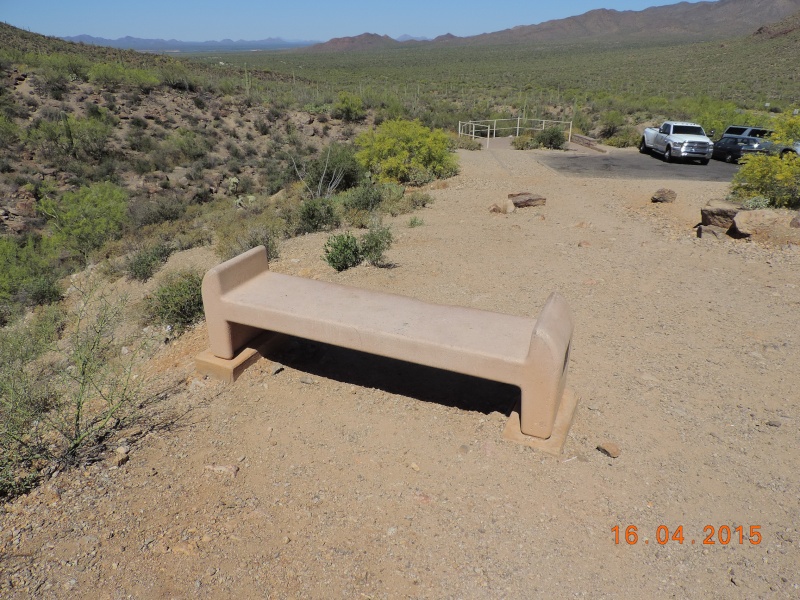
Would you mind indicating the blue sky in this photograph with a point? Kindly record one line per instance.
(202, 20)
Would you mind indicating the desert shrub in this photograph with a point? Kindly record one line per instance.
(189, 144)
(107, 75)
(523, 142)
(342, 251)
(239, 237)
(348, 108)
(144, 80)
(89, 136)
(335, 169)
(406, 202)
(464, 142)
(610, 123)
(28, 276)
(365, 197)
(406, 152)
(756, 203)
(551, 137)
(9, 132)
(316, 214)
(415, 222)
(773, 177)
(51, 81)
(177, 301)
(625, 137)
(374, 244)
(143, 264)
(83, 220)
(25, 398)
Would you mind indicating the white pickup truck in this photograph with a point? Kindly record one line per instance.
(678, 140)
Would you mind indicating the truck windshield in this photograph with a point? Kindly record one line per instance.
(688, 130)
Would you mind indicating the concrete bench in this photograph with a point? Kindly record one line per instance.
(243, 298)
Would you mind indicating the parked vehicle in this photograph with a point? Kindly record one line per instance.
(677, 140)
(731, 148)
(764, 134)
(746, 131)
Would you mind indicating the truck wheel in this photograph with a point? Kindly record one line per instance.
(668, 154)
(703, 161)
(643, 147)
(729, 158)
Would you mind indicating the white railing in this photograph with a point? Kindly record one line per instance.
(509, 127)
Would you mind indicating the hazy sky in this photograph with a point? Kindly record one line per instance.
(202, 20)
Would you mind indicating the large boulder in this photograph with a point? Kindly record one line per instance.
(752, 222)
(719, 213)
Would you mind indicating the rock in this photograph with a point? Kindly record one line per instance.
(584, 244)
(526, 199)
(307, 380)
(751, 222)
(713, 232)
(664, 195)
(719, 213)
(231, 470)
(276, 368)
(795, 222)
(609, 449)
(505, 207)
(774, 423)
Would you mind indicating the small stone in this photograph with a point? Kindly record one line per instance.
(464, 449)
(307, 380)
(276, 368)
(795, 222)
(774, 423)
(414, 466)
(231, 470)
(609, 449)
(664, 195)
(584, 244)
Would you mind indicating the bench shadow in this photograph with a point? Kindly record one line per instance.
(395, 376)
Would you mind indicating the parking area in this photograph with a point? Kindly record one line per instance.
(628, 163)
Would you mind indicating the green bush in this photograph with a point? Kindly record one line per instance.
(25, 399)
(316, 214)
(552, 138)
(374, 244)
(335, 169)
(189, 144)
(406, 152)
(773, 177)
(107, 75)
(143, 264)
(415, 222)
(84, 220)
(625, 137)
(178, 301)
(9, 132)
(342, 251)
(29, 275)
(238, 237)
(349, 108)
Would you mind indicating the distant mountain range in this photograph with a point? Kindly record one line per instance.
(157, 45)
(685, 21)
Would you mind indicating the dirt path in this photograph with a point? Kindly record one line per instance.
(344, 476)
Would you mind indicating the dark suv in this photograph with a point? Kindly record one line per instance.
(747, 132)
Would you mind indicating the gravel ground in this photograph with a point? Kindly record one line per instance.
(324, 473)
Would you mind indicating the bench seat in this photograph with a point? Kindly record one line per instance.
(242, 298)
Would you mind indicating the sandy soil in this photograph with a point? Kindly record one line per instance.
(345, 476)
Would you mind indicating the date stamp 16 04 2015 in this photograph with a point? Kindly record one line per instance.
(722, 535)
